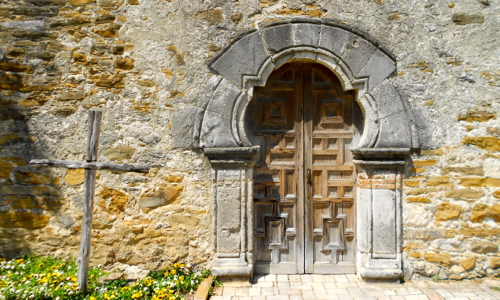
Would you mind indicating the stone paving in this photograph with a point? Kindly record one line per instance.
(349, 287)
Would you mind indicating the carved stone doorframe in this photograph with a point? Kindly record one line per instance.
(361, 63)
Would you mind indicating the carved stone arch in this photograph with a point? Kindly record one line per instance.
(361, 63)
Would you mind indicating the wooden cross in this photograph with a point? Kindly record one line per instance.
(90, 166)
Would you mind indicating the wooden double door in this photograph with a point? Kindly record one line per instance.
(304, 178)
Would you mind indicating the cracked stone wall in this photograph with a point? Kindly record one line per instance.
(144, 61)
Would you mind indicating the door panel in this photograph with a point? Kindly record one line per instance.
(304, 177)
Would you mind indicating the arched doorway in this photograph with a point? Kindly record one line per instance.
(304, 177)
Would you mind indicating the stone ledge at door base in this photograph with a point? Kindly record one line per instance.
(381, 274)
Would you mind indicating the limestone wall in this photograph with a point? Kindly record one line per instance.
(144, 61)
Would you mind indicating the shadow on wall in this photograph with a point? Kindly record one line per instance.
(28, 196)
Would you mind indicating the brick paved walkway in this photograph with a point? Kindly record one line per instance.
(349, 287)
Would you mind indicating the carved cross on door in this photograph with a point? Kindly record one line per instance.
(90, 166)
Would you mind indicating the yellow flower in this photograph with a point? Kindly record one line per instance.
(176, 265)
(125, 288)
(173, 271)
(93, 298)
(181, 278)
(137, 295)
(182, 265)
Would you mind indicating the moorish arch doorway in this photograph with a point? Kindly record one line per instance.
(253, 206)
(304, 176)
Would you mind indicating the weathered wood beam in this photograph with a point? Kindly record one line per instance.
(71, 164)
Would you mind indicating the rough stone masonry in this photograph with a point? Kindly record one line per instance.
(150, 65)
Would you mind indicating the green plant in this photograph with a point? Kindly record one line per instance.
(436, 277)
(45, 278)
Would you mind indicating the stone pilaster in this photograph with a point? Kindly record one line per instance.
(232, 209)
(379, 192)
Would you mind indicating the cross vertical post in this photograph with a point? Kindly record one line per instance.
(88, 204)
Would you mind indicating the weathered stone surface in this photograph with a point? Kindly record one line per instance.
(483, 246)
(75, 176)
(356, 53)
(494, 263)
(333, 39)
(490, 143)
(216, 128)
(112, 201)
(447, 211)
(306, 34)
(483, 211)
(33, 178)
(378, 68)
(468, 263)
(251, 49)
(464, 19)
(119, 153)
(464, 194)
(231, 66)
(278, 38)
(443, 258)
(161, 197)
(110, 80)
(23, 220)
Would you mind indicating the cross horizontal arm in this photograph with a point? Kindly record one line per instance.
(70, 164)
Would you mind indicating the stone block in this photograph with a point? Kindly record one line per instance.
(388, 101)
(28, 25)
(446, 211)
(468, 263)
(33, 178)
(161, 197)
(216, 128)
(251, 49)
(112, 201)
(363, 220)
(23, 220)
(109, 80)
(443, 258)
(356, 53)
(483, 247)
(119, 153)
(216, 131)
(464, 19)
(228, 221)
(463, 194)
(124, 63)
(494, 263)
(378, 68)
(231, 66)
(418, 199)
(384, 216)
(306, 34)
(480, 212)
(75, 176)
(333, 39)
(278, 38)
(490, 143)
(394, 136)
(186, 123)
